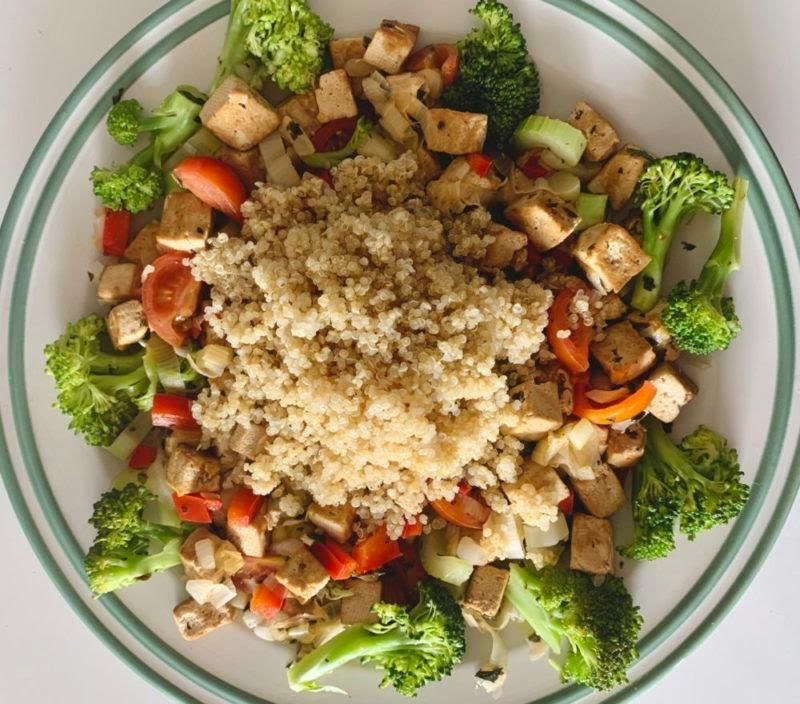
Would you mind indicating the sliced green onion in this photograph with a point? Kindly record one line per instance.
(591, 208)
(213, 360)
(565, 141)
(131, 436)
(565, 185)
(166, 363)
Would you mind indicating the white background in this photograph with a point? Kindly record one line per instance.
(47, 655)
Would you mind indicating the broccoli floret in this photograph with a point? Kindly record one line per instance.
(100, 390)
(134, 186)
(699, 318)
(120, 554)
(413, 647)
(671, 190)
(496, 75)
(600, 624)
(698, 482)
(281, 40)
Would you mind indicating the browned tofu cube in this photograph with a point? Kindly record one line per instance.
(190, 438)
(303, 575)
(391, 45)
(247, 164)
(619, 176)
(534, 487)
(547, 219)
(485, 590)
(613, 308)
(185, 223)
(227, 559)
(126, 324)
(591, 545)
(507, 242)
(625, 447)
(303, 110)
(601, 138)
(623, 353)
(673, 391)
(248, 440)
(346, 48)
(189, 471)
(143, 248)
(540, 412)
(357, 608)
(238, 115)
(336, 521)
(251, 539)
(454, 132)
(197, 620)
(602, 495)
(119, 282)
(335, 97)
(609, 256)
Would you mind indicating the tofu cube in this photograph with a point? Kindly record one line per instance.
(534, 487)
(673, 391)
(336, 521)
(619, 176)
(507, 242)
(601, 138)
(238, 115)
(540, 412)
(185, 223)
(591, 545)
(248, 440)
(335, 97)
(303, 575)
(253, 538)
(346, 48)
(228, 560)
(609, 256)
(197, 620)
(119, 282)
(547, 219)
(248, 164)
(625, 447)
(357, 608)
(454, 132)
(602, 495)
(189, 471)
(191, 438)
(623, 353)
(391, 45)
(303, 110)
(126, 324)
(485, 590)
(143, 248)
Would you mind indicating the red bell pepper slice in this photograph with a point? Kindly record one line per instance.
(192, 508)
(411, 529)
(465, 510)
(116, 232)
(375, 551)
(567, 504)
(533, 169)
(629, 407)
(335, 559)
(573, 351)
(243, 507)
(172, 411)
(479, 163)
(268, 598)
(142, 457)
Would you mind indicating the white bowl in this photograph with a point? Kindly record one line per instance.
(658, 91)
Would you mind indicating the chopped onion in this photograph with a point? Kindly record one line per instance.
(358, 68)
(272, 147)
(296, 136)
(565, 185)
(131, 436)
(163, 358)
(379, 147)
(469, 551)
(395, 123)
(204, 591)
(240, 601)
(433, 84)
(581, 433)
(204, 550)
(281, 172)
(213, 360)
(536, 538)
(251, 619)
(376, 93)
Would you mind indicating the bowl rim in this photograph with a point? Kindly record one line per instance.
(657, 62)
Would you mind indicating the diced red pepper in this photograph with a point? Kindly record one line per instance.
(572, 351)
(192, 508)
(213, 501)
(243, 507)
(464, 488)
(567, 505)
(533, 169)
(479, 163)
(142, 457)
(172, 411)
(411, 529)
(268, 598)
(375, 551)
(335, 559)
(116, 232)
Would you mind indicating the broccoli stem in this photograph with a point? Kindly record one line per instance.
(355, 642)
(520, 591)
(115, 363)
(726, 256)
(234, 51)
(113, 383)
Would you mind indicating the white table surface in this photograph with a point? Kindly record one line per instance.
(47, 655)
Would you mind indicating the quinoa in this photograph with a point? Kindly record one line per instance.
(368, 351)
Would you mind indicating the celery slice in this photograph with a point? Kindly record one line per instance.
(565, 141)
(591, 208)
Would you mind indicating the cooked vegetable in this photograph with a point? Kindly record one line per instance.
(327, 160)
(561, 138)
(464, 510)
(192, 508)
(215, 183)
(698, 482)
(99, 389)
(698, 317)
(565, 185)
(496, 76)
(335, 559)
(142, 456)
(174, 412)
(375, 550)
(136, 185)
(411, 646)
(442, 57)
(591, 209)
(600, 624)
(617, 411)
(571, 347)
(670, 191)
(243, 507)
(116, 232)
(120, 554)
(280, 40)
(268, 598)
(481, 164)
(170, 295)
(437, 563)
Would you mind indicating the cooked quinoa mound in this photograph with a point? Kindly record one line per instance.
(367, 352)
